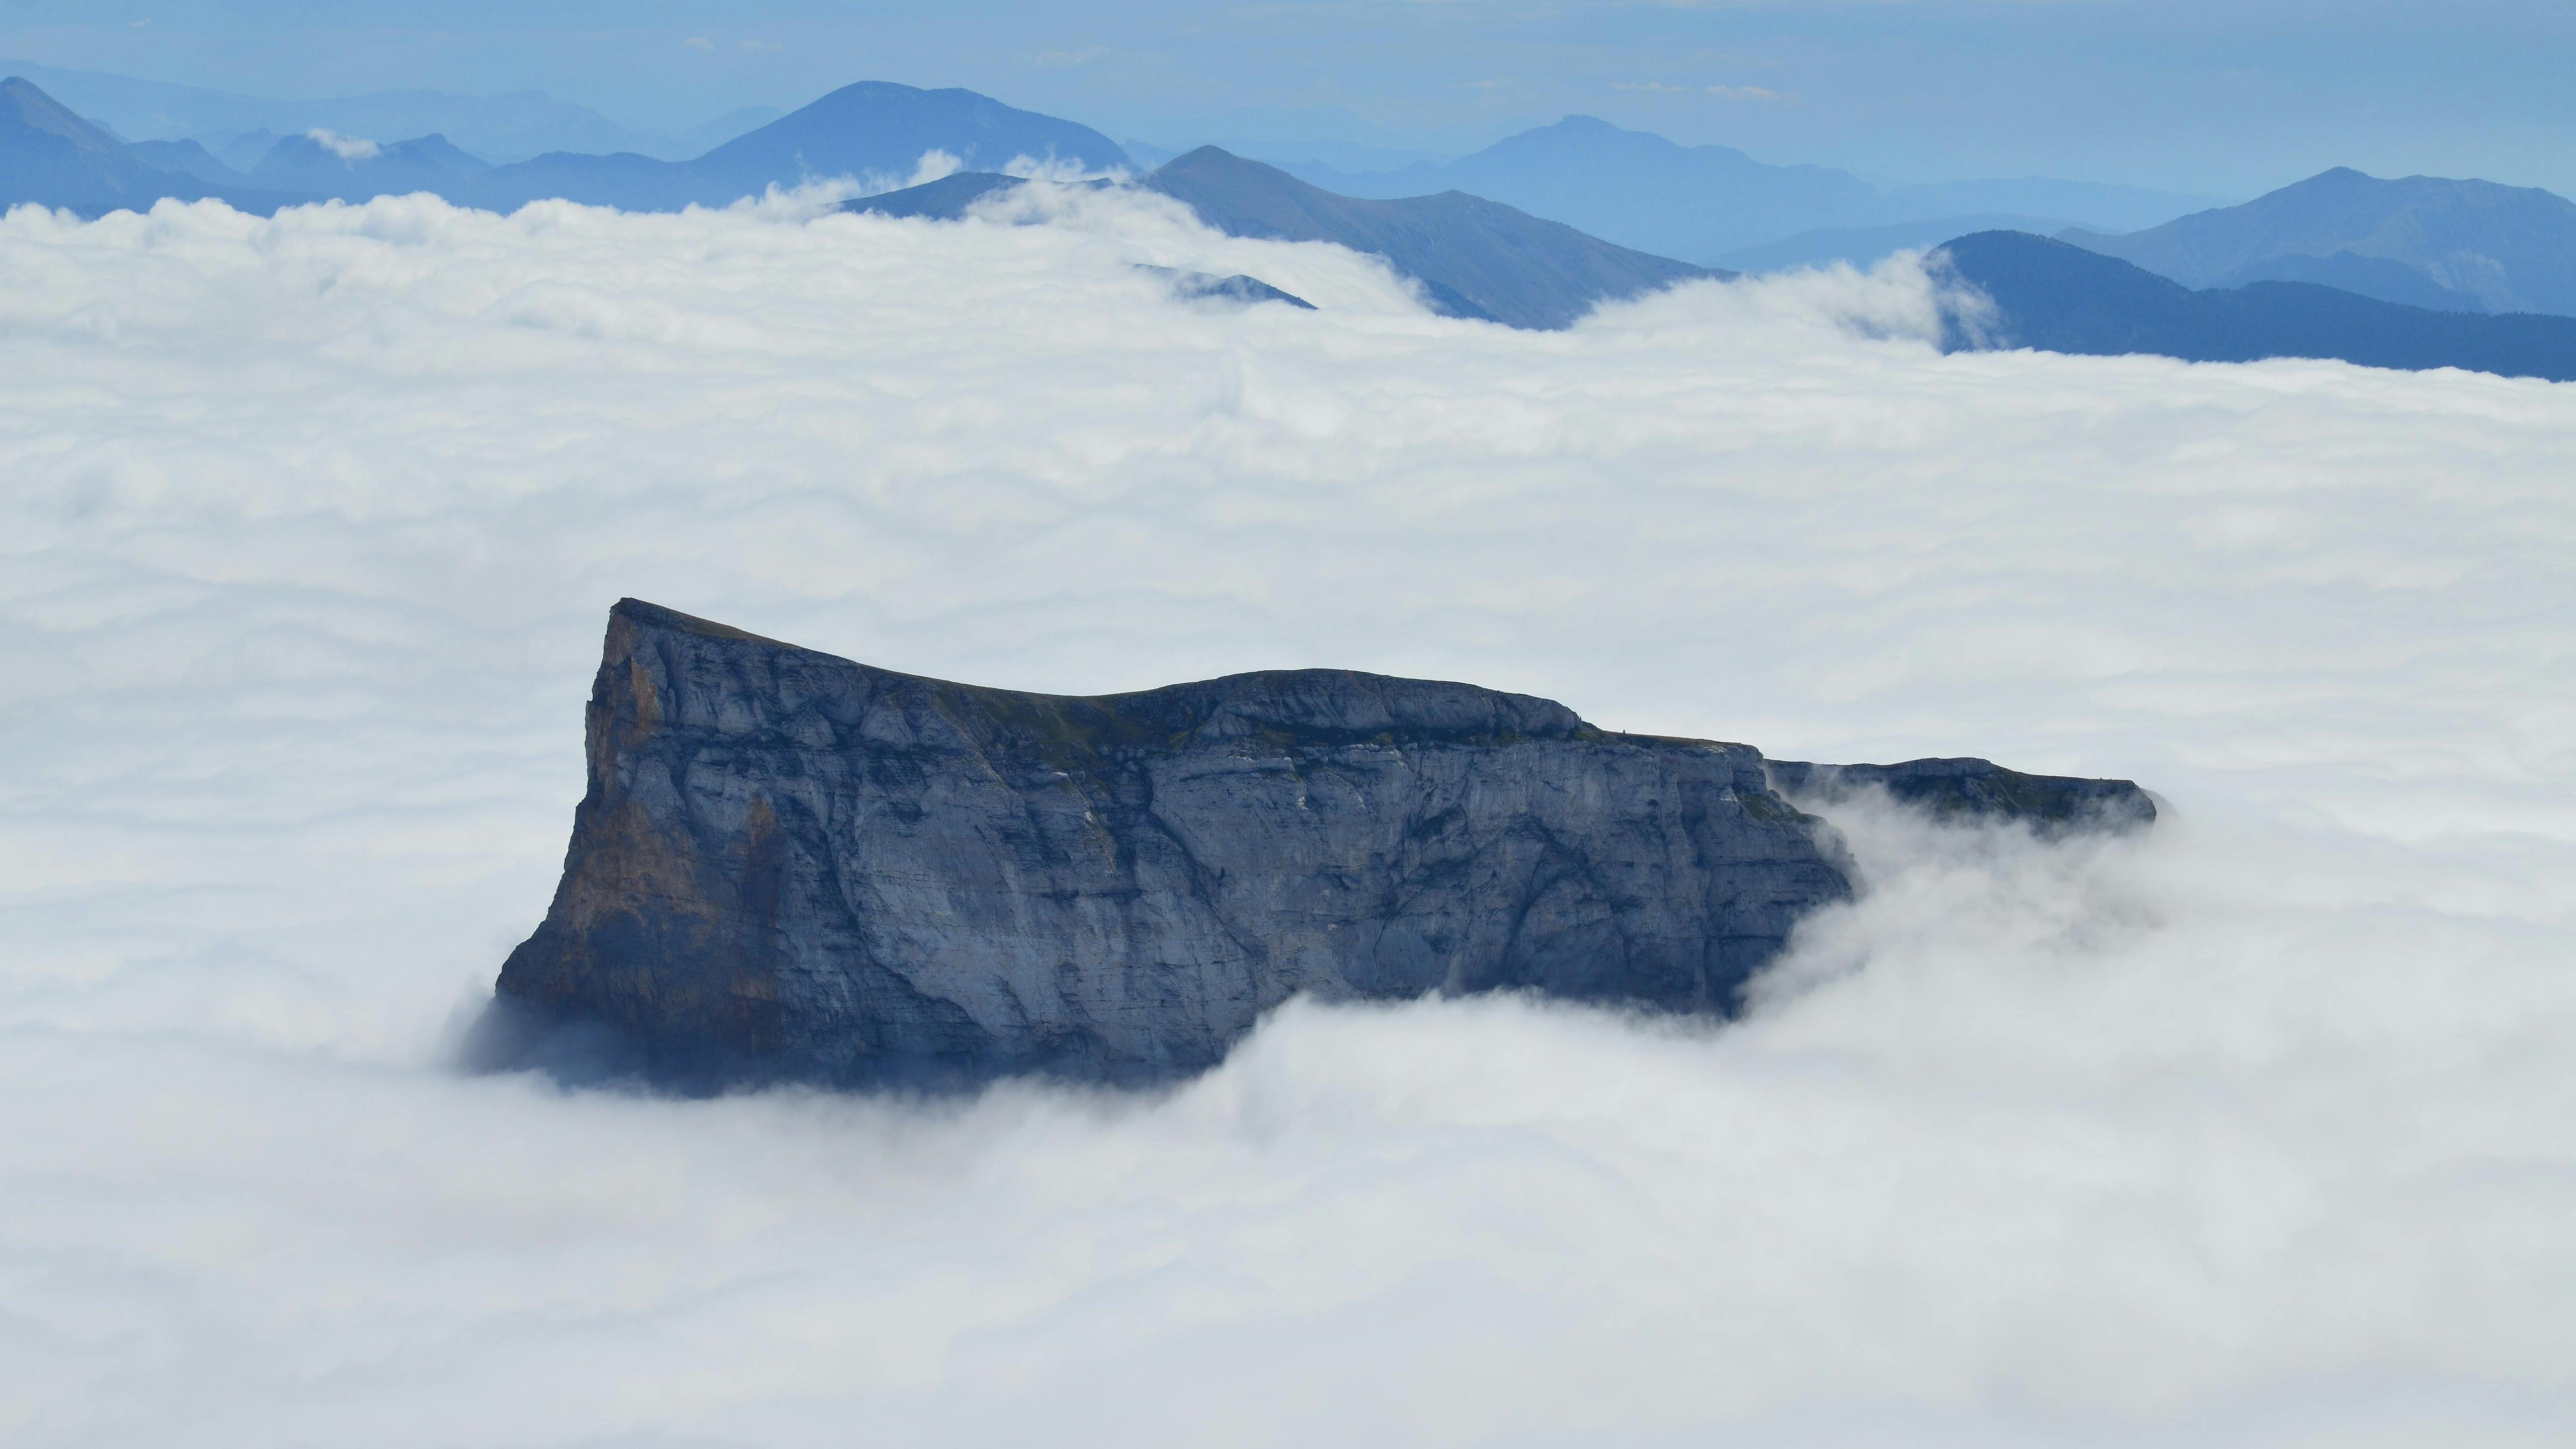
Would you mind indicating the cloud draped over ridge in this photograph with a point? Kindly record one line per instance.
(2252, 1133)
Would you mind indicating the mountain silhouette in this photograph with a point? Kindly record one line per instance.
(356, 171)
(511, 127)
(872, 128)
(1476, 258)
(1209, 287)
(2058, 297)
(54, 158)
(1863, 246)
(881, 128)
(945, 199)
(188, 158)
(1635, 188)
(1472, 257)
(1707, 203)
(2422, 240)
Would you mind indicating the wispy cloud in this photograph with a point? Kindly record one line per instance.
(347, 148)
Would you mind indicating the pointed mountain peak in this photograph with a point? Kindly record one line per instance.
(23, 101)
(1214, 164)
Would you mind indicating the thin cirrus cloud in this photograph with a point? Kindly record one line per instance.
(2254, 1132)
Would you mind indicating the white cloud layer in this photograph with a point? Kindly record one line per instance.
(2261, 1132)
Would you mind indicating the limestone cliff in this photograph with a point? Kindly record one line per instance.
(793, 866)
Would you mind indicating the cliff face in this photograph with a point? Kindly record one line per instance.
(790, 865)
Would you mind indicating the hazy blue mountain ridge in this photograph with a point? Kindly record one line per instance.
(626, 180)
(1209, 287)
(1630, 187)
(244, 151)
(1501, 262)
(1863, 246)
(189, 158)
(1341, 157)
(52, 157)
(2388, 273)
(2095, 204)
(882, 128)
(946, 199)
(1472, 257)
(707, 135)
(1707, 204)
(2389, 281)
(2058, 297)
(2496, 248)
(311, 166)
(49, 154)
(872, 128)
(507, 127)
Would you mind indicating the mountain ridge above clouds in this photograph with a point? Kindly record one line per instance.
(326, 166)
(1630, 187)
(871, 128)
(190, 158)
(2054, 296)
(500, 127)
(1518, 269)
(1866, 246)
(875, 878)
(2464, 245)
(1704, 203)
(884, 128)
(52, 157)
(1473, 258)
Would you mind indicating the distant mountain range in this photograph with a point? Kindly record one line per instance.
(1709, 203)
(327, 166)
(873, 128)
(50, 156)
(2384, 273)
(497, 128)
(870, 129)
(2465, 246)
(187, 157)
(1866, 246)
(1473, 257)
(2058, 297)
(1630, 187)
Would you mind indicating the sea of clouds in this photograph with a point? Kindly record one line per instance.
(2259, 1131)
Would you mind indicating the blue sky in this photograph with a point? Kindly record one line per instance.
(2225, 96)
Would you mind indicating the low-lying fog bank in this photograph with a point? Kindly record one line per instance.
(2259, 1131)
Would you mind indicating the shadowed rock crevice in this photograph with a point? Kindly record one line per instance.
(790, 866)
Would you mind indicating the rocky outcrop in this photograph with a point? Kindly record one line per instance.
(793, 866)
(1975, 790)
